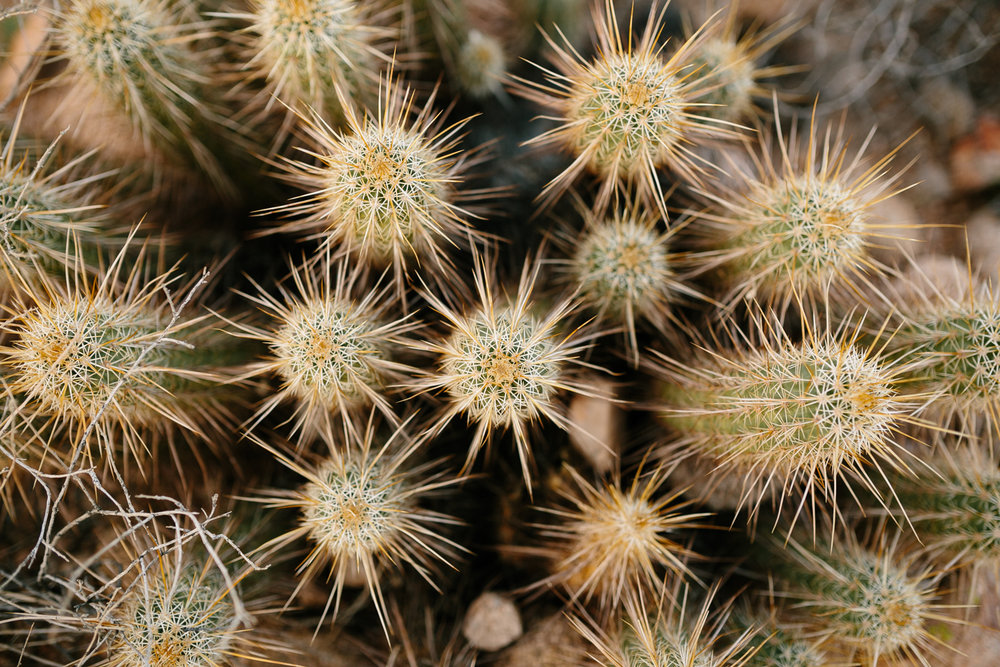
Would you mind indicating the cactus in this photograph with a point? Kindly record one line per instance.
(107, 358)
(315, 53)
(622, 269)
(176, 618)
(141, 59)
(952, 348)
(956, 510)
(796, 416)
(799, 232)
(482, 65)
(383, 190)
(360, 507)
(728, 62)
(611, 542)
(874, 603)
(665, 635)
(625, 114)
(44, 217)
(333, 353)
(503, 364)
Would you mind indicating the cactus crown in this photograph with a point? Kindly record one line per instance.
(308, 50)
(173, 620)
(626, 113)
(383, 190)
(360, 507)
(794, 415)
(612, 542)
(869, 601)
(799, 231)
(503, 364)
(105, 356)
(331, 351)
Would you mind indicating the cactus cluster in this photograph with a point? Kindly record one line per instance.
(384, 333)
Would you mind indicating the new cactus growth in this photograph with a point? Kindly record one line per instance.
(625, 114)
(333, 353)
(798, 417)
(728, 62)
(622, 269)
(383, 190)
(610, 542)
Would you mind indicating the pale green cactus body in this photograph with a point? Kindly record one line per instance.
(140, 59)
(316, 53)
(953, 350)
(793, 416)
(956, 511)
(870, 602)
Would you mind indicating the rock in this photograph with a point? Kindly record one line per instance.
(891, 246)
(595, 427)
(975, 158)
(492, 622)
(983, 234)
(551, 643)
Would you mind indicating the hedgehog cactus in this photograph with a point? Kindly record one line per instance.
(110, 358)
(797, 416)
(141, 58)
(873, 603)
(625, 114)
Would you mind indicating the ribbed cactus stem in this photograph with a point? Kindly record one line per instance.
(316, 53)
(141, 59)
(956, 510)
(952, 348)
(797, 416)
(871, 602)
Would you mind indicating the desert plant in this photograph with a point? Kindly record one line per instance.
(333, 350)
(729, 60)
(955, 508)
(610, 542)
(663, 633)
(796, 230)
(874, 602)
(47, 214)
(952, 347)
(112, 360)
(503, 363)
(792, 418)
(622, 268)
(147, 61)
(625, 114)
(316, 54)
(383, 191)
(360, 509)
